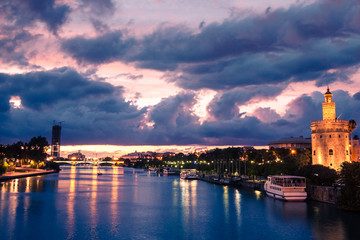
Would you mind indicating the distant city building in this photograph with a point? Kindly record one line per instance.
(133, 157)
(76, 156)
(330, 137)
(55, 140)
(291, 143)
(355, 151)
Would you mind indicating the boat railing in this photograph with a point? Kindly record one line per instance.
(293, 184)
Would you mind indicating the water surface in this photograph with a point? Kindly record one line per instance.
(125, 203)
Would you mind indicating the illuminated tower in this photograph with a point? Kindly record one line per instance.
(55, 140)
(330, 137)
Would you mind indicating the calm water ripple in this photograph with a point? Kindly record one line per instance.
(125, 203)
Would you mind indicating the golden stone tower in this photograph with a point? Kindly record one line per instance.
(330, 137)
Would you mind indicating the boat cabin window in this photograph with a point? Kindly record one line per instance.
(289, 182)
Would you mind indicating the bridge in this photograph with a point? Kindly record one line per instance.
(76, 162)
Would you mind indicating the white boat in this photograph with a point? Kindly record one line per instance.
(285, 187)
(169, 171)
(188, 174)
(152, 169)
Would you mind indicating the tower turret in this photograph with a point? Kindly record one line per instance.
(328, 107)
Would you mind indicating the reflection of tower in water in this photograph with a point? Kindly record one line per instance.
(55, 140)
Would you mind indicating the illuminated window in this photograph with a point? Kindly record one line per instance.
(331, 152)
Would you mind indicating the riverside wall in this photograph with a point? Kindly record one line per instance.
(323, 193)
(317, 193)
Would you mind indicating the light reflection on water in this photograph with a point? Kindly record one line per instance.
(132, 204)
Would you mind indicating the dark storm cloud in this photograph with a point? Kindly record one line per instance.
(10, 46)
(296, 44)
(225, 105)
(174, 122)
(45, 88)
(101, 8)
(106, 48)
(94, 112)
(20, 13)
(99, 114)
(311, 63)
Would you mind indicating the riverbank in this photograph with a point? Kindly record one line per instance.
(316, 193)
(24, 172)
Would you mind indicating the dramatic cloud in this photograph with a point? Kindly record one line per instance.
(106, 48)
(93, 111)
(38, 90)
(174, 121)
(225, 106)
(100, 8)
(11, 46)
(24, 13)
(297, 44)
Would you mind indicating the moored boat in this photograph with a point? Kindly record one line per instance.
(188, 174)
(285, 187)
(169, 171)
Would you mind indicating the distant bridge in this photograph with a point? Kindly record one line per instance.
(75, 162)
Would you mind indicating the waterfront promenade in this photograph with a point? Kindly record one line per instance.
(24, 172)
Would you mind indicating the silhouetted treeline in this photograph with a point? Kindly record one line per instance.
(235, 161)
(32, 152)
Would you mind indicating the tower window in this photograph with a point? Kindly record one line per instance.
(347, 152)
(339, 136)
(320, 136)
(329, 136)
(314, 152)
(331, 152)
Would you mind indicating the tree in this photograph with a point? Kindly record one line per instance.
(37, 148)
(350, 192)
(352, 127)
(318, 175)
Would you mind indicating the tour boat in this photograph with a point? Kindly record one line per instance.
(152, 169)
(285, 187)
(169, 171)
(188, 174)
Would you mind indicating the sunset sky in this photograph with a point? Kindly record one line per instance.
(175, 72)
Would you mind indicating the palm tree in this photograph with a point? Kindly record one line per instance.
(352, 127)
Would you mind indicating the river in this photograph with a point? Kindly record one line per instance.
(126, 203)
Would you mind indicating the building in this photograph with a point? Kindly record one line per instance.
(55, 140)
(355, 150)
(330, 137)
(76, 156)
(291, 143)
